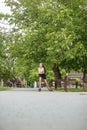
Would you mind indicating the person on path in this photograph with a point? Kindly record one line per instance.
(42, 75)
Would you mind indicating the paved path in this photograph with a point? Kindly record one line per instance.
(23, 109)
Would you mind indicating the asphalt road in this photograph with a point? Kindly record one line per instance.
(28, 109)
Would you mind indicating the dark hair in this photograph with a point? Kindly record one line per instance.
(44, 67)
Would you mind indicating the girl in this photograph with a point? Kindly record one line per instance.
(42, 75)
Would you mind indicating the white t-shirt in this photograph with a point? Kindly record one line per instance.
(41, 70)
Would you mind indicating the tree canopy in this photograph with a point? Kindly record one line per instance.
(48, 31)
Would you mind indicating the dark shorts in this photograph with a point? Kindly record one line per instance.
(43, 76)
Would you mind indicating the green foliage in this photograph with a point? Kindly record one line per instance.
(49, 32)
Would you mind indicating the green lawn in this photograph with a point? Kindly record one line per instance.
(58, 89)
(4, 88)
(73, 89)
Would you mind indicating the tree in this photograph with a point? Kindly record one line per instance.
(50, 32)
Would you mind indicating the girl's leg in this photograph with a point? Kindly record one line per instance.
(47, 85)
(40, 79)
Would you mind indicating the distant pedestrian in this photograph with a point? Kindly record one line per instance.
(42, 75)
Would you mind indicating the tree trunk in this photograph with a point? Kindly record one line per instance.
(57, 76)
(84, 76)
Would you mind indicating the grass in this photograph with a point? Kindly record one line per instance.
(4, 88)
(58, 89)
(73, 89)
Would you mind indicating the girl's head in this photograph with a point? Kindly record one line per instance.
(41, 65)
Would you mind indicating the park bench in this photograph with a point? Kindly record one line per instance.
(73, 77)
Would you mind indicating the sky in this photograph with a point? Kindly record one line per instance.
(5, 10)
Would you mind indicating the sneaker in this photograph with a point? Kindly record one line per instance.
(39, 89)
